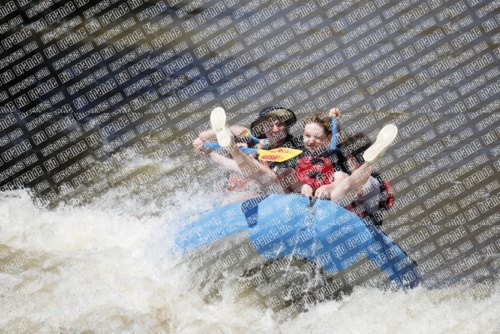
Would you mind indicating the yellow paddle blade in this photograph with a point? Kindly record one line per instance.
(278, 154)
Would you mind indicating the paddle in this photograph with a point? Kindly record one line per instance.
(334, 113)
(251, 136)
(276, 155)
(263, 142)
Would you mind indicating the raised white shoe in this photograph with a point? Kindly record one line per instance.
(219, 125)
(384, 139)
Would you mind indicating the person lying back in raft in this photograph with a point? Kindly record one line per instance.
(376, 195)
(272, 127)
(239, 186)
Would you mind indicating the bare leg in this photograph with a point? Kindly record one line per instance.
(344, 191)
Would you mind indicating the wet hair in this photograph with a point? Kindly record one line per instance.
(356, 145)
(321, 119)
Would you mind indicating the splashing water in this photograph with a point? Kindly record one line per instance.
(101, 268)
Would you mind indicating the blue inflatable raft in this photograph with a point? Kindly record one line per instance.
(234, 239)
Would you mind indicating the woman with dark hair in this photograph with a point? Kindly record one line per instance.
(319, 166)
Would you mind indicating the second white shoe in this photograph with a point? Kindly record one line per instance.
(384, 139)
(219, 125)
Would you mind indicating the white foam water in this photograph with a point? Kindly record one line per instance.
(103, 269)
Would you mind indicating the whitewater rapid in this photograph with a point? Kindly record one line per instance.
(111, 268)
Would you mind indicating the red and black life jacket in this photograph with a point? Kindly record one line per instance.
(315, 171)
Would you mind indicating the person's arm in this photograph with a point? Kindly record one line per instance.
(306, 190)
(347, 188)
(202, 150)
